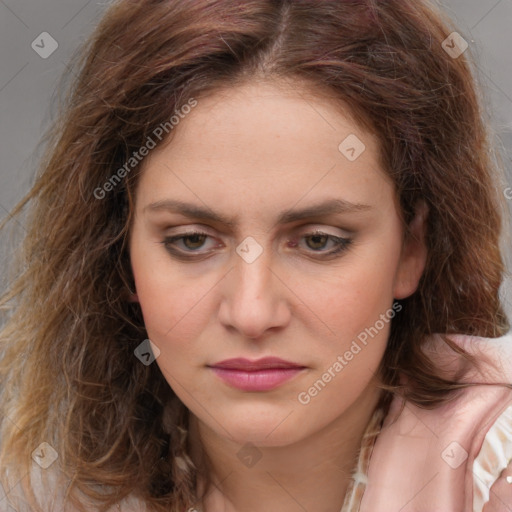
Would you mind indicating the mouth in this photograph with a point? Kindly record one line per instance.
(259, 375)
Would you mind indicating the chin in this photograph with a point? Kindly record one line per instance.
(262, 428)
(265, 438)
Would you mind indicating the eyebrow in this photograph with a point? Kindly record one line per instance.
(329, 207)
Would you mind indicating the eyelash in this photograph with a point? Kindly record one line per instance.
(341, 242)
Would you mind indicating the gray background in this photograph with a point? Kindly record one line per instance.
(28, 82)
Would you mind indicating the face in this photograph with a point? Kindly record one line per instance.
(287, 244)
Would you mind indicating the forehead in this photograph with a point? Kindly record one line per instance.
(263, 115)
(262, 142)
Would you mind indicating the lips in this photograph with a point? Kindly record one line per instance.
(266, 363)
(260, 375)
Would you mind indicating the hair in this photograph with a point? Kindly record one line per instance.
(68, 373)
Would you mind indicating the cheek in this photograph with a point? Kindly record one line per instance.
(173, 309)
(358, 308)
(355, 296)
(171, 302)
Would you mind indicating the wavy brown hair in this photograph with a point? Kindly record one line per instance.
(68, 373)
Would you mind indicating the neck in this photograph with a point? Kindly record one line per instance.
(311, 474)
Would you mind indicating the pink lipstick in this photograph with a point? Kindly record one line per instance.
(259, 375)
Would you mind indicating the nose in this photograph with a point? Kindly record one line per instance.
(255, 298)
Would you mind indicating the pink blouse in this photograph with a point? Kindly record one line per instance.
(454, 458)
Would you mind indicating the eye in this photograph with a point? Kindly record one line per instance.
(319, 240)
(192, 244)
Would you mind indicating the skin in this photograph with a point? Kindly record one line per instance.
(249, 153)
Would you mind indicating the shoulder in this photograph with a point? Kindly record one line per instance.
(492, 468)
(493, 354)
(446, 440)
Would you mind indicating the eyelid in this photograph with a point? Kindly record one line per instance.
(342, 244)
(325, 231)
(296, 231)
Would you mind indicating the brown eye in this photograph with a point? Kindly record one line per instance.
(319, 241)
(186, 244)
(196, 240)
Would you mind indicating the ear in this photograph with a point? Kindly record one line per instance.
(414, 255)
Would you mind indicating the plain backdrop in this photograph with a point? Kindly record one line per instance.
(28, 81)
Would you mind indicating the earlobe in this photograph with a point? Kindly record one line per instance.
(414, 255)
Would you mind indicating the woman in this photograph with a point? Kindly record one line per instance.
(262, 271)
